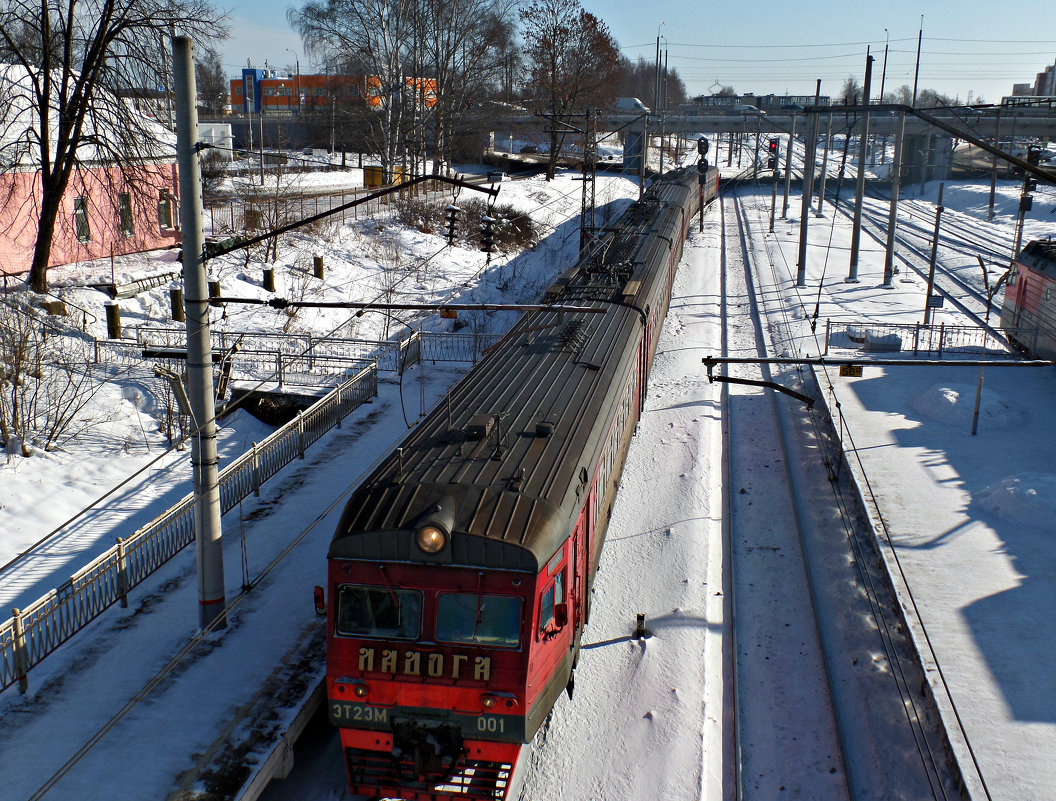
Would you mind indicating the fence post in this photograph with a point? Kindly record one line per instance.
(256, 471)
(122, 573)
(916, 338)
(828, 328)
(300, 432)
(278, 368)
(21, 658)
(942, 333)
(340, 404)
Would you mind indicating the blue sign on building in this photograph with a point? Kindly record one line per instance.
(251, 89)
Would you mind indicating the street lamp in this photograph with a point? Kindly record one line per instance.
(297, 61)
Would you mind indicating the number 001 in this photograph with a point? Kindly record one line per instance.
(493, 725)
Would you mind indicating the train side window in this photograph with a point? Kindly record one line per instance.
(551, 598)
(379, 612)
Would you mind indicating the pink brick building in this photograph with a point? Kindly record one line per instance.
(102, 214)
(108, 208)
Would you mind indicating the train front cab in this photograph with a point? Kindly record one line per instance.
(436, 675)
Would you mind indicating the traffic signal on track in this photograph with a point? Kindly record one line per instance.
(702, 146)
(771, 149)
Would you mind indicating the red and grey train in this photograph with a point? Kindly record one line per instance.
(1028, 312)
(459, 576)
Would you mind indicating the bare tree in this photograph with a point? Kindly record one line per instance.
(46, 382)
(467, 45)
(375, 34)
(638, 79)
(572, 62)
(73, 62)
(851, 92)
(211, 83)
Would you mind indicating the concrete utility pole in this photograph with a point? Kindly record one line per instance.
(788, 168)
(825, 167)
(808, 192)
(863, 147)
(892, 217)
(916, 70)
(211, 598)
(934, 254)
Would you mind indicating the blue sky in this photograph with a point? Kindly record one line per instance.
(766, 46)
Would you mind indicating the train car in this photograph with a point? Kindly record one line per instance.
(1028, 313)
(459, 575)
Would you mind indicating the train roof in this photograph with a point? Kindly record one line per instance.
(503, 462)
(1039, 254)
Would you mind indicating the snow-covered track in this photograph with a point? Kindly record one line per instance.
(828, 688)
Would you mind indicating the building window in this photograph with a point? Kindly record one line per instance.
(80, 219)
(165, 211)
(124, 210)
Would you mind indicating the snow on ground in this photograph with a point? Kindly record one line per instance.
(968, 515)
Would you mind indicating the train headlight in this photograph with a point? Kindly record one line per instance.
(360, 691)
(431, 539)
(487, 701)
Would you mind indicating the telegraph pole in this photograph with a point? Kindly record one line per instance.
(807, 195)
(863, 146)
(204, 463)
(788, 166)
(825, 168)
(934, 254)
(892, 217)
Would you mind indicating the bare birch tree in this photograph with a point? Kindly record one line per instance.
(376, 34)
(74, 62)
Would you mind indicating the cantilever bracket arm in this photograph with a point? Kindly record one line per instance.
(710, 363)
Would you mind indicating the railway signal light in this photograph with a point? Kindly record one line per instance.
(487, 234)
(772, 158)
(702, 146)
(453, 213)
(1033, 156)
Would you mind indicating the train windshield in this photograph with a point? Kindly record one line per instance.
(387, 612)
(493, 620)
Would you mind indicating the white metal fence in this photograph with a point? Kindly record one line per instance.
(36, 631)
(918, 339)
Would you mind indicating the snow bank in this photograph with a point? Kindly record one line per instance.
(955, 404)
(1025, 498)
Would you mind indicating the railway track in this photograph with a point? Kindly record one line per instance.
(828, 689)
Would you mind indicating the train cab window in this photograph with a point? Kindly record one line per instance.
(384, 612)
(554, 595)
(467, 617)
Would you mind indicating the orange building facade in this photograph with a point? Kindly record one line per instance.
(292, 94)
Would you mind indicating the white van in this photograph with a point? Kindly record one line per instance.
(632, 104)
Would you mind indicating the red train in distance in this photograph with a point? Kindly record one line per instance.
(1028, 313)
(459, 575)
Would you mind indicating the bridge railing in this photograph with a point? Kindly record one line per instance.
(34, 632)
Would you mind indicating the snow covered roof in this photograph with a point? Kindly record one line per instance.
(111, 120)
